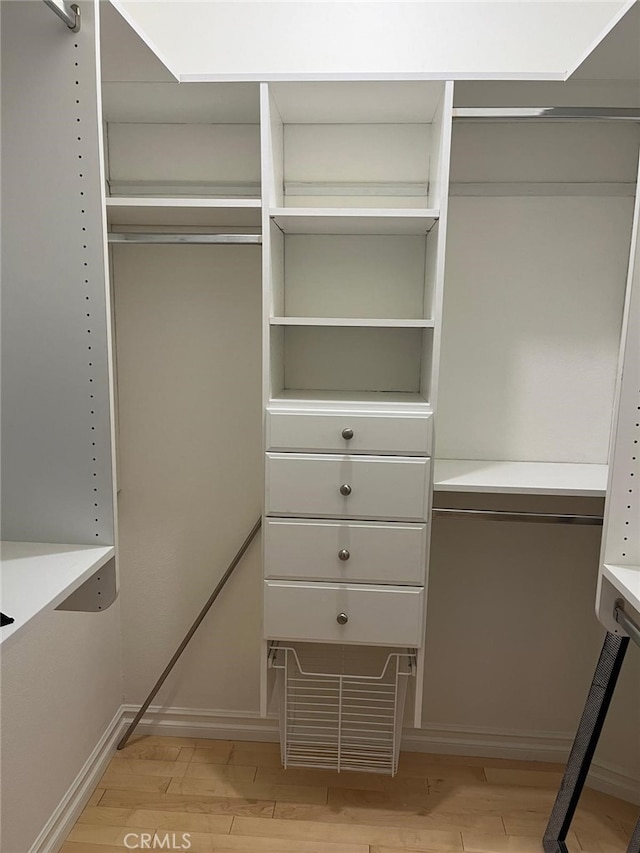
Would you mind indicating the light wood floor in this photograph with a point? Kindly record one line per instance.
(233, 797)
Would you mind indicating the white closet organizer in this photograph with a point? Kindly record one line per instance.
(182, 158)
(537, 246)
(355, 188)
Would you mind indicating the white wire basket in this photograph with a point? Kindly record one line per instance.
(341, 707)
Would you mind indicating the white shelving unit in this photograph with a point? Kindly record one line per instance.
(354, 222)
(520, 478)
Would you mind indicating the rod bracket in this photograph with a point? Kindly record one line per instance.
(67, 12)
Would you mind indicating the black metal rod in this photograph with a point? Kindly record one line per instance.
(216, 592)
(585, 742)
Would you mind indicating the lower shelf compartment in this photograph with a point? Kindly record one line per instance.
(341, 707)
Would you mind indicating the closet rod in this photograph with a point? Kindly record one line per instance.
(191, 239)
(67, 12)
(506, 515)
(216, 592)
(561, 113)
(627, 623)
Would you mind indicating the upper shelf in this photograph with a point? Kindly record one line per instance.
(37, 576)
(626, 580)
(520, 478)
(301, 220)
(205, 212)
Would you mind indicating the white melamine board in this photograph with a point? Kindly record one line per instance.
(620, 552)
(276, 272)
(532, 311)
(373, 322)
(440, 156)
(354, 276)
(345, 221)
(335, 399)
(381, 102)
(272, 135)
(200, 153)
(200, 212)
(38, 576)
(519, 478)
(199, 103)
(359, 40)
(539, 151)
(56, 396)
(352, 359)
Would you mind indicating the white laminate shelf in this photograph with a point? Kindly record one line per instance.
(520, 478)
(383, 401)
(195, 212)
(36, 576)
(626, 580)
(311, 220)
(372, 322)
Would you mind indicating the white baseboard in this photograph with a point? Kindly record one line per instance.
(248, 725)
(62, 820)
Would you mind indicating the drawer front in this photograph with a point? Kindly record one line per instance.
(375, 615)
(349, 552)
(373, 434)
(317, 486)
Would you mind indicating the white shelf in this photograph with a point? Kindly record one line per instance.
(626, 580)
(212, 212)
(338, 220)
(352, 321)
(520, 478)
(36, 576)
(394, 401)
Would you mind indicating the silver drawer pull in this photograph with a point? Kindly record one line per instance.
(343, 555)
(347, 433)
(342, 618)
(345, 489)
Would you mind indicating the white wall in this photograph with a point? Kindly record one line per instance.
(61, 687)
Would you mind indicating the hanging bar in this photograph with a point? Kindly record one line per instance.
(627, 623)
(216, 592)
(67, 12)
(536, 113)
(505, 515)
(190, 239)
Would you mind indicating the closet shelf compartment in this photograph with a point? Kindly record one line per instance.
(189, 212)
(39, 576)
(294, 400)
(352, 321)
(308, 220)
(520, 478)
(341, 709)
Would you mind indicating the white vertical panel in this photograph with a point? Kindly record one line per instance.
(56, 414)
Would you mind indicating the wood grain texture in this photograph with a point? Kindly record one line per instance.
(234, 797)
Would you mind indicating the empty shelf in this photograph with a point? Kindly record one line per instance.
(520, 478)
(311, 220)
(626, 580)
(36, 576)
(206, 212)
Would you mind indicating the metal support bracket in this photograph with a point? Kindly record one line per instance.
(67, 12)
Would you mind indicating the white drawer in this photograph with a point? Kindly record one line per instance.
(356, 551)
(375, 434)
(383, 487)
(376, 615)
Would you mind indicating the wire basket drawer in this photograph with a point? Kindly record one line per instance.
(341, 707)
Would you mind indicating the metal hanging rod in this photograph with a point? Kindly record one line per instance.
(506, 515)
(627, 623)
(67, 12)
(190, 239)
(559, 113)
(216, 592)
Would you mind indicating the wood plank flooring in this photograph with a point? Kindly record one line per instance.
(234, 797)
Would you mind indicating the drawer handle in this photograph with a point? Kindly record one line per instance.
(345, 489)
(347, 434)
(342, 618)
(343, 555)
